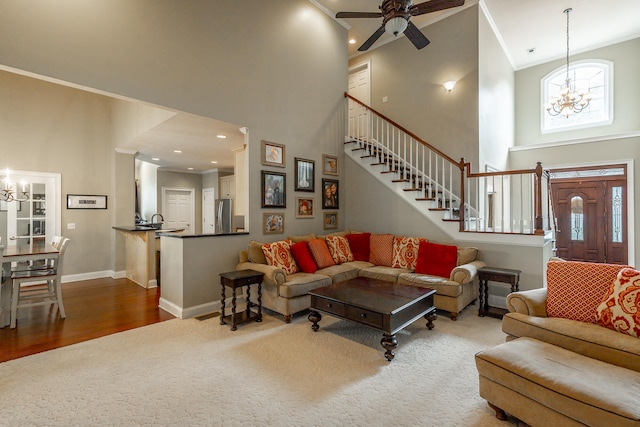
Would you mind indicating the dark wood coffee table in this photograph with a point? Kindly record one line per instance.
(384, 306)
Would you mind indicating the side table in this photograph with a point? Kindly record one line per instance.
(238, 279)
(494, 274)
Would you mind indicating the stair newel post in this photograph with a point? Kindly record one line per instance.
(538, 200)
(463, 205)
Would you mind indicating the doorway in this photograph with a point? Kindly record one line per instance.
(178, 208)
(208, 211)
(360, 88)
(590, 209)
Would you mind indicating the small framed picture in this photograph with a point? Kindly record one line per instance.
(273, 154)
(273, 223)
(330, 220)
(329, 165)
(304, 207)
(273, 189)
(305, 175)
(81, 201)
(330, 195)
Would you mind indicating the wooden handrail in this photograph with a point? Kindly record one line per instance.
(403, 129)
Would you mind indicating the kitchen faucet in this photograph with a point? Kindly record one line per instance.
(155, 215)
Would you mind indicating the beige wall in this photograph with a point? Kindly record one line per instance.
(252, 64)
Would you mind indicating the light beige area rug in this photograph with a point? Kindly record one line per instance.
(199, 373)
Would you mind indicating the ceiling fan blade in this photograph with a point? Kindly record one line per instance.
(434, 6)
(416, 37)
(371, 40)
(358, 15)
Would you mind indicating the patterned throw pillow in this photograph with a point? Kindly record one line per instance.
(405, 251)
(303, 257)
(278, 254)
(359, 245)
(339, 249)
(574, 288)
(436, 260)
(320, 252)
(620, 309)
(381, 249)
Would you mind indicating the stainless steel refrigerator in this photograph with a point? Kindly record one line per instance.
(224, 215)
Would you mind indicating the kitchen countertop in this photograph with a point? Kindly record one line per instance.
(136, 228)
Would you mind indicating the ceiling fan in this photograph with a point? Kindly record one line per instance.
(396, 14)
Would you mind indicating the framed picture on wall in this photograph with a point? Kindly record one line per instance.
(330, 195)
(329, 165)
(330, 220)
(273, 223)
(304, 207)
(273, 189)
(273, 154)
(305, 175)
(81, 201)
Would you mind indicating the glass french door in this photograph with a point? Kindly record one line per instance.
(37, 217)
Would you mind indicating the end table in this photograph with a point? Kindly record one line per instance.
(495, 274)
(238, 279)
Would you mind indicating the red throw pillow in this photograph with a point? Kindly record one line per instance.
(436, 260)
(359, 244)
(302, 255)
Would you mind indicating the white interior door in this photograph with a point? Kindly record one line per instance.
(359, 87)
(178, 208)
(208, 211)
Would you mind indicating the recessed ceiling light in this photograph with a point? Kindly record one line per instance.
(155, 158)
(222, 136)
(214, 162)
(190, 169)
(177, 151)
(352, 41)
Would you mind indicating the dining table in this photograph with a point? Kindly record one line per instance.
(11, 256)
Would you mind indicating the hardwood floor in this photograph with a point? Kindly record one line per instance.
(94, 308)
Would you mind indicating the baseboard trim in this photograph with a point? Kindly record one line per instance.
(196, 311)
(87, 276)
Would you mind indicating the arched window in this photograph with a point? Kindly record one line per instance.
(592, 76)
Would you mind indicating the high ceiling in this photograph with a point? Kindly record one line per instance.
(520, 25)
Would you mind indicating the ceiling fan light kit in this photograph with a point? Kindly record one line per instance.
(396, 16)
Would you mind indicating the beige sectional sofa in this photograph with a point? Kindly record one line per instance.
(560, 369)
(287, 293)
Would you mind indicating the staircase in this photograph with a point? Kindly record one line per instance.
(443, 190)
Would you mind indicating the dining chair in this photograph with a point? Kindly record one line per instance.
(28, 296)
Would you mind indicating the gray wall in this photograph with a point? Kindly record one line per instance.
(626, 59)
(240, 66)
(412, 81)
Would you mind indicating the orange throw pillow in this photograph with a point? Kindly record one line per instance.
(620, 309)
(381, 249)
(574, 288)
(320, 252)
(278, 254)
(405, 252)
(339, 249)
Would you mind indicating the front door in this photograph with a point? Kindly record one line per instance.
(591, 214)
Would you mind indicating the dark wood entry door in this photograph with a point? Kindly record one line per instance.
(591, 219)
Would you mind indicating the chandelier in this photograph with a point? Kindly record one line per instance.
(568, 100)
(8, 194)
